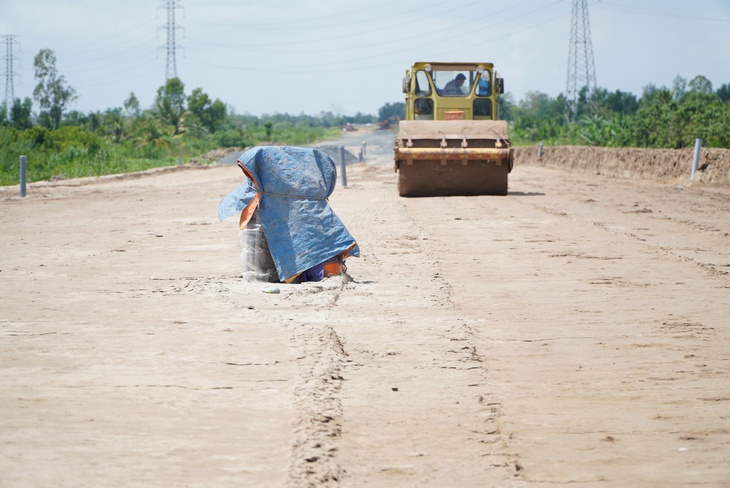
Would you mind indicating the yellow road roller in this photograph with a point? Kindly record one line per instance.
(452, 141)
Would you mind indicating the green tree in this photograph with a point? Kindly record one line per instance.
(538, 117)
(94, 121)
(675, 118)
(397, 109)
(114, 125)
(21, 114)
(131, 106)
(657, 122)
(700, 84)
(609, 103)
(52, 93)
(724, 92)
(170, 105)
(595, 130)
(361, 118)
(211, 114)
(506, 102)
(679, 88)
(150, 131)
(537, 104)
(74, 117)
(704, 116)
(664, 96)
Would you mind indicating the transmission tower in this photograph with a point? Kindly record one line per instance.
(581, 69)
(171, 46)
(9, 40)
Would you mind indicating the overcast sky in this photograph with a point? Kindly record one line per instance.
(346, 57)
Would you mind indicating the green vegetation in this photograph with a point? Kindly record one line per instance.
(70, 144)
(396, 110)
(112, 142)
(52, 93)
(662, 117)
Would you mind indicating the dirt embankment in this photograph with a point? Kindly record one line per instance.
(661, 164)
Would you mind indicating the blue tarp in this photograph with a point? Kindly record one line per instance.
(293, 184)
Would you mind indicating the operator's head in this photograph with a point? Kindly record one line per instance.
(460, 79)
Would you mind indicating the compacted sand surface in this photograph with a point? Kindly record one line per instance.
(574, 332)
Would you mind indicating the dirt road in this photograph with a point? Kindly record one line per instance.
(574, 332)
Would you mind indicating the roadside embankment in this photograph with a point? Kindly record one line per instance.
(660, 164)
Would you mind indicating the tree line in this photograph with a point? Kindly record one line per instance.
(64, 143)
(662, 117)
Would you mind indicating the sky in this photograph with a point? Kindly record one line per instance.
(310, 56)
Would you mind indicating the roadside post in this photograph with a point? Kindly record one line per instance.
(23, 174)
(696, 160)
(539, 151)
(343, 169)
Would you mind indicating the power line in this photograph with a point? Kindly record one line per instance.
(656, 13)
(111, 59)
(102, 44)
(9, 40)
(306, 24)
(171, 46)
(581, 68)
(119, 76)
(400, 26)
(404, 42)
(299, 23)
(327, 67)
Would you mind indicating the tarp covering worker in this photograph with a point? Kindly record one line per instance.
(290, 186)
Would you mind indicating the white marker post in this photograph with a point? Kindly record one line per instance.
(696, 160)
(23, 174)
(343, 169)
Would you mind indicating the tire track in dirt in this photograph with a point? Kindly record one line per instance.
(417, 405)
(666, 218)
(318, 409)
(336, 357)
(605, 350)
(319, 355)
(416, 389)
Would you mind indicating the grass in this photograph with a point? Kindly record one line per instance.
(53, 154)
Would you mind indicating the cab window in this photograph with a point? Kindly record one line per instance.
(453, 83)
(423, 87)
(482, 107)
(484, 87)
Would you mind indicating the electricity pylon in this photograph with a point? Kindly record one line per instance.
(9, 40)
(171, 46)
(581, 68)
